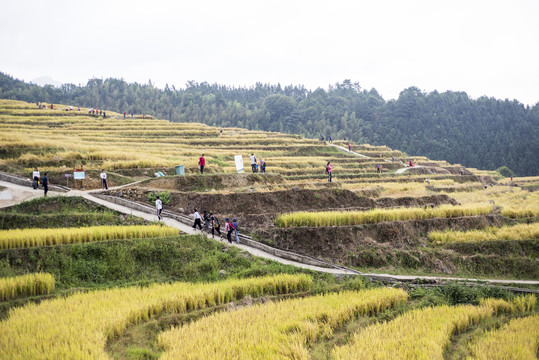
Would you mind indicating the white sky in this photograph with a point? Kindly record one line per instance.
(483, 47)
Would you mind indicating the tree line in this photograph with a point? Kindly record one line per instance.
(484, 133)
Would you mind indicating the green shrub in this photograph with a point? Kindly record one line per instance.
(163, 195)
(505, 171)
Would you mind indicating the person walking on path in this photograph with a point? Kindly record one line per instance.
(45, 183)
(349, 147)
(228, 229)
(159, 207)
(378, 169)
(206, 218)
(262, 166)
(35, 178)
(202, 163)
(253, 162)
(103, 177)
(329, 169)
(197, 221)
(215, 225)
(411, 164)
(235, 225)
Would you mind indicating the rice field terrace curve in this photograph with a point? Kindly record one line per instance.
(78, 326)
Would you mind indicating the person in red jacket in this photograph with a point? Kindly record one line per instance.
(202, 163)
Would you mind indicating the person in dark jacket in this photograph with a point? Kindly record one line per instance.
(45, 183)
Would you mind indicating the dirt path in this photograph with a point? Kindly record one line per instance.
(20, 192)
(350, 152)
(398, 171)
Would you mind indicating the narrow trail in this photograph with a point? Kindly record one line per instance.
(187, 229)
(350, 152)
(398, 171)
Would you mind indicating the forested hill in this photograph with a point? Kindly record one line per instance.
(485, 133)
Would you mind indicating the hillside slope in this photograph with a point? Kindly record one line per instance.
(485, 133)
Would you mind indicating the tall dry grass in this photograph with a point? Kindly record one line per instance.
(345, 218)
(26, 285)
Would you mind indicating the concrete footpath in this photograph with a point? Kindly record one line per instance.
(18, 189)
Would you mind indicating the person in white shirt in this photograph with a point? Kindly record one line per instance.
(197, 221)
(159, 206)
(103, 177)
(35, 178)
(253, 162)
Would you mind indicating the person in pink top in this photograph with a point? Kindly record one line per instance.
(329, 168)
(202, 163)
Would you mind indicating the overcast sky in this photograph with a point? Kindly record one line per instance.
(483, 47)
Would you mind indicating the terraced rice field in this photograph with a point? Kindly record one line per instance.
(436, 218)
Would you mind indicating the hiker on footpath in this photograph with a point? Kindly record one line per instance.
(45, 183)
(215, 226)
(103, 177)
(329, 168)
(378, 169)
(206, 218)
(349, 147)
(262, 166)
(35, 178)
(159, 207)
(202, 163)
(253, 162)
(235, 225)
(197, 221)
(228, 229)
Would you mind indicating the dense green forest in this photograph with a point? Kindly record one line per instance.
(485, 133)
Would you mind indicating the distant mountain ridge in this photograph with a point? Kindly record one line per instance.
(484, 133)
(46, 80)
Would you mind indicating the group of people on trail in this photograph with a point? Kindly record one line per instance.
(256, 167)
(37, 179)
(379, 168)
(97, 112)
(211, 222)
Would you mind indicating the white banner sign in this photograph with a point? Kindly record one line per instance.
(79, 175)
(239, 163)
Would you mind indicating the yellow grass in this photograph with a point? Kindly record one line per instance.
(516, 232)
(78, 327)
(345, 218)
(23, 238)
(517, 305)
(26, 285)
(274, 330)
(515, 202)
(418, 334)
(518, 340)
